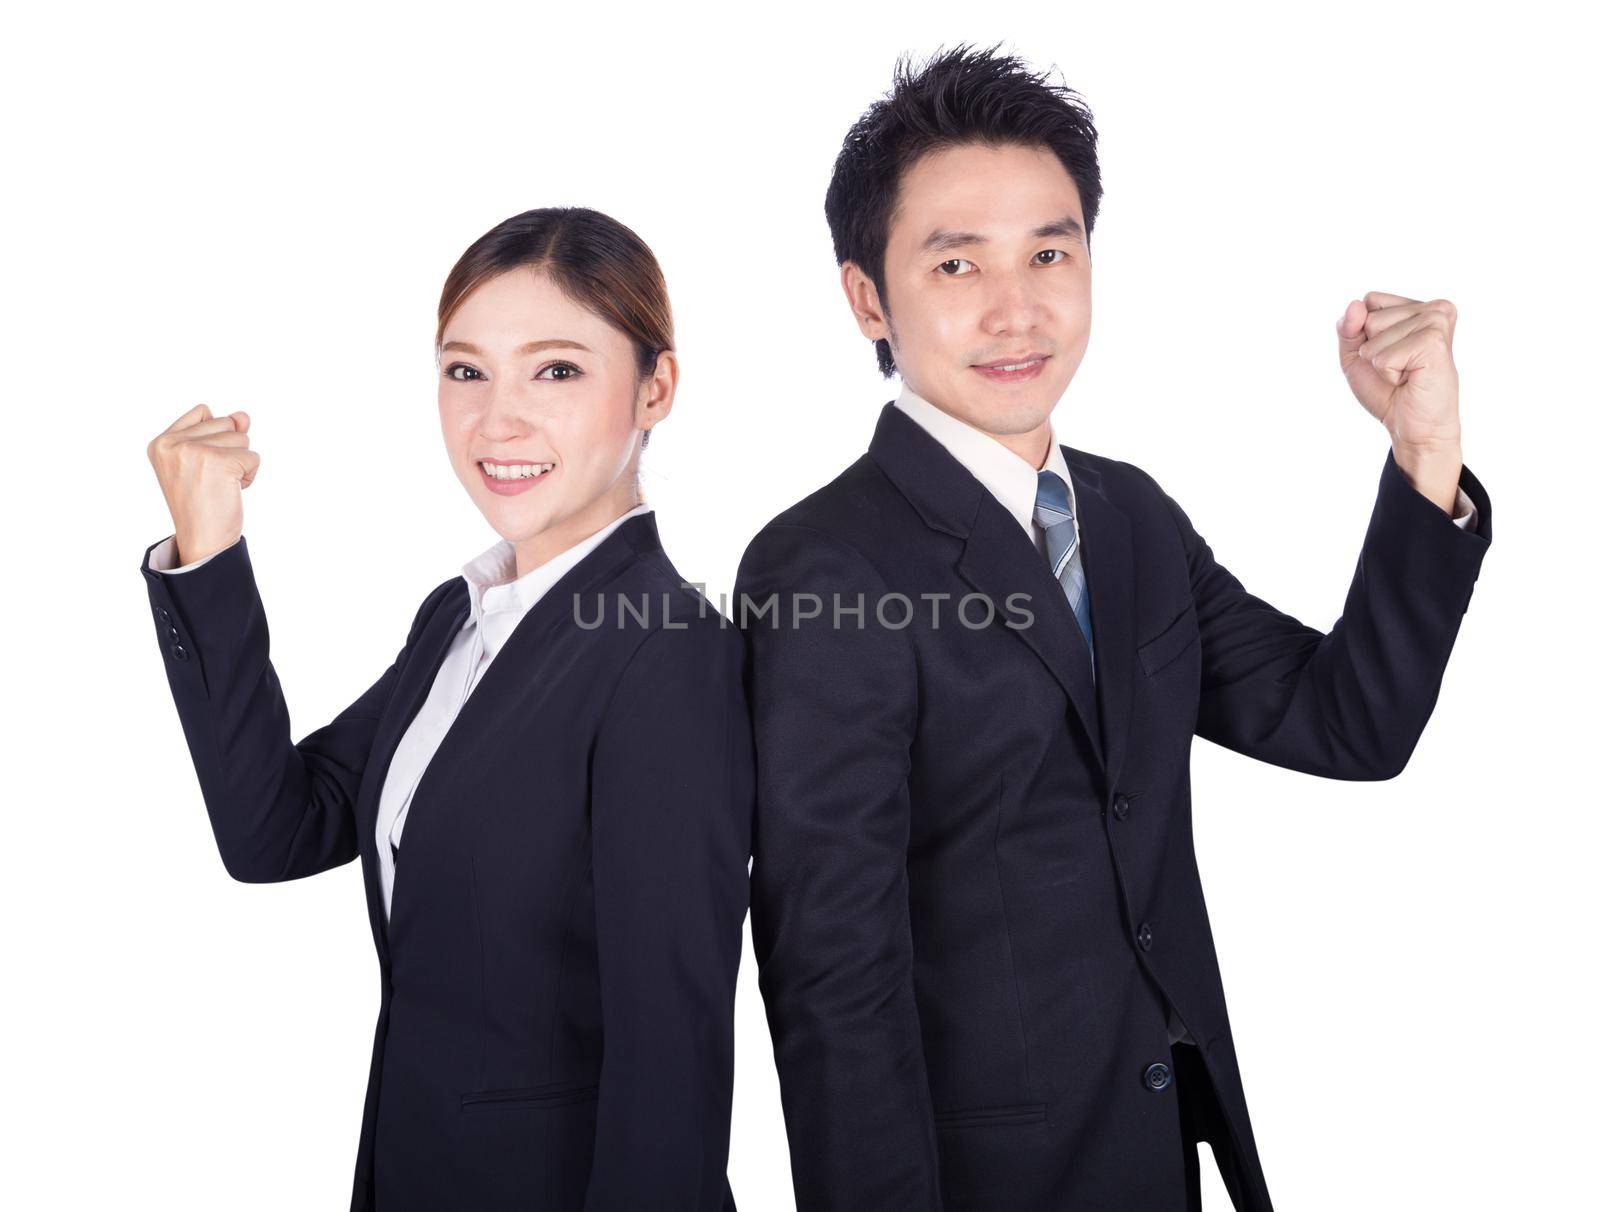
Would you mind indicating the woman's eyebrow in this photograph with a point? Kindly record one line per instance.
(529, 347)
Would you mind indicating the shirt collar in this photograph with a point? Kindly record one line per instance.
(492, 582)
(1010, 478)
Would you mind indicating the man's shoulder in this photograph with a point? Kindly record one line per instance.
(842, 528)
(1123, 483)
(1114, 471)
(855, 506)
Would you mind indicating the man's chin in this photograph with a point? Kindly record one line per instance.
(1012, 416)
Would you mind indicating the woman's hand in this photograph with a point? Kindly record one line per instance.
(204, 463)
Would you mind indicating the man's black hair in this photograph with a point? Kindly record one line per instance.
(963, 95)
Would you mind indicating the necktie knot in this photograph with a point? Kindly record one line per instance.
(1051, 503)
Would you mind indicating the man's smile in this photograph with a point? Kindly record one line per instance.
(1013, 369)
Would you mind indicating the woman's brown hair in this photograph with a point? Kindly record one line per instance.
(599, 263)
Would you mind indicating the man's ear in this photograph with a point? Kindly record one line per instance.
(862, 294)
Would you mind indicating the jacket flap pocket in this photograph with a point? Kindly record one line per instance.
(1171, 643)
(979, 1117)
(551, 1094)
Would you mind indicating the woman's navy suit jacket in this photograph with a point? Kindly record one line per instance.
(556, 1025)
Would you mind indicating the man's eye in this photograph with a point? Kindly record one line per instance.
(945, 267)
(1054, 255)
(450, 372)
(569, 371)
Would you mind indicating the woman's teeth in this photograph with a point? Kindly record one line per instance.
(515, 471)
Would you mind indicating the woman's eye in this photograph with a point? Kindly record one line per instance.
(947, 271)
(567, 369)
(1054, 255)
(450, 372)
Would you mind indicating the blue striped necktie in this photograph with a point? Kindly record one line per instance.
(1052, 510)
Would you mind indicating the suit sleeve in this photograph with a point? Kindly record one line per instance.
(670, 816)
(834, 709)
(1350, 703)
(279, 810)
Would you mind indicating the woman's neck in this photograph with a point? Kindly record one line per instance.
(550, 542)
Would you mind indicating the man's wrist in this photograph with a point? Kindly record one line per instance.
(1434, 471)
(192, 548)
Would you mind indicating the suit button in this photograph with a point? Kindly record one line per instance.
(1120, 806)
(1147, 936)
(1157, 1077)
(172, 632)
(161, 613)
(180, 652)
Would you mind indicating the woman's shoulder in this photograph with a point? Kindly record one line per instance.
(655, 597)
(668, 644)
(447, 595)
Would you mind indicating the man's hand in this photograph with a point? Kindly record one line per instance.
(1395, 354)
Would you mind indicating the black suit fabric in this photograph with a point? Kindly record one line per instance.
(974, 892)
(555, 1028)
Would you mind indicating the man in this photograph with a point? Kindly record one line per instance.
(978, 662)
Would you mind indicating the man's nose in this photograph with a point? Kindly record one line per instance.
(1013, 305)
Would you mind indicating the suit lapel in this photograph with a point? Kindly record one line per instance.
(635, 539)
(998, 559)
(1107, 538)
(416, 679)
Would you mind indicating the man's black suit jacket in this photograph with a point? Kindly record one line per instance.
(974, 888)
(556, 1022)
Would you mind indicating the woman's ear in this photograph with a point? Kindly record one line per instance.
(656, 392)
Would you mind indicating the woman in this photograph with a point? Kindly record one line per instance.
(568, 803)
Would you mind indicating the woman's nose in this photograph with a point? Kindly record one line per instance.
(507, 414)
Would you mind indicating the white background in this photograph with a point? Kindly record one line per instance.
(256, 208)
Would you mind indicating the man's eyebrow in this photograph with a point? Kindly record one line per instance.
(1065, 226)
(530, 347)
(943, 239)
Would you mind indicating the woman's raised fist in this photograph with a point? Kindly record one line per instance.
(203, 464)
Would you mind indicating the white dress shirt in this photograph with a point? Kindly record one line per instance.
(499, 600)
(1010, 478)
(1014, 482)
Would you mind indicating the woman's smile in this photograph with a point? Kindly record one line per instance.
(508, 478)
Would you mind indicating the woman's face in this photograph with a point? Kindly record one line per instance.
(531, 381)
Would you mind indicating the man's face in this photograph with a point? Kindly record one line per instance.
(987, 279)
